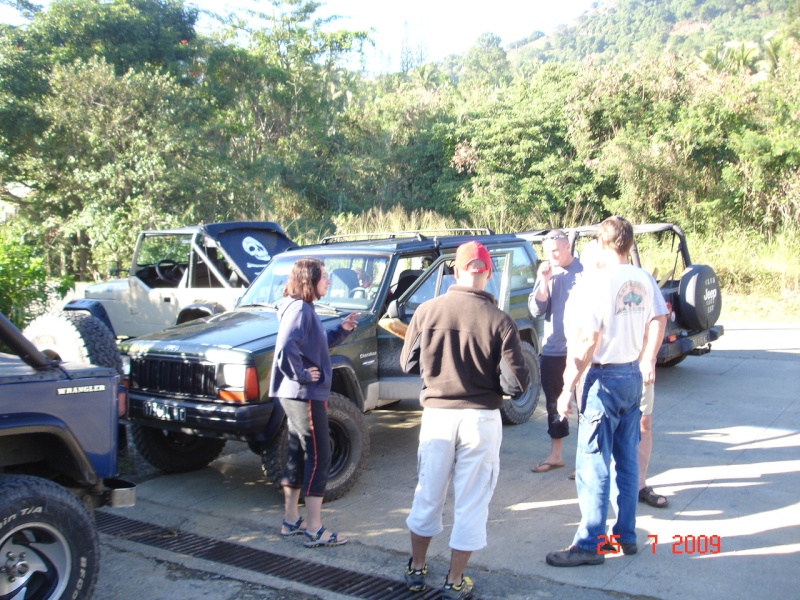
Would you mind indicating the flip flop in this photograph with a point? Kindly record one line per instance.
(544, 467)
(648, 496)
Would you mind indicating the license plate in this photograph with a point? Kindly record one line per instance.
(164, 412)
(701, 339)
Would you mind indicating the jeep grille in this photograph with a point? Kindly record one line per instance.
(173, 376)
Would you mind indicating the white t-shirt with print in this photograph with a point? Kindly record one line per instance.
(618, 301)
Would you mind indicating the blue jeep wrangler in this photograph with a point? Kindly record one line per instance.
(58, 461)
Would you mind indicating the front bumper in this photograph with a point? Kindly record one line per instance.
(209, 419)
(695, 343)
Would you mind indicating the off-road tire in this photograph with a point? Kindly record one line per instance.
(518, 410)
(349, 439)
(75, 336)
(699, 297)
(175, 452)
(57, 536)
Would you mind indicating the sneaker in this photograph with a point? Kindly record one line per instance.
(627, 549)
(574, 556)
(463, 591)
(415, 578)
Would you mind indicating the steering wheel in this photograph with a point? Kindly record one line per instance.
(358, 292)
(169, 271)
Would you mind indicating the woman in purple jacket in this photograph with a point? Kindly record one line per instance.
(301, 379)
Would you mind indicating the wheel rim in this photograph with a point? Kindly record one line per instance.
(35, 561)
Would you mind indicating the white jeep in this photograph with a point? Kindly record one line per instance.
(177, 275)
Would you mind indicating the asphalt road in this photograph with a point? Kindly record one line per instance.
(727, 431)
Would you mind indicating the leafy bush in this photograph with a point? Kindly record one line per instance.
(25, 290)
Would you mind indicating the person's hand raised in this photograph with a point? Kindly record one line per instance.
(350, 321)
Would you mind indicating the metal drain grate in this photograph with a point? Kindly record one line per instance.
(341, 581)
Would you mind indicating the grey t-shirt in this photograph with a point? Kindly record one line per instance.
(561, 284)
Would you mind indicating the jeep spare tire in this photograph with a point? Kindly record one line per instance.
(75, 336)
(349, 440)
(700, 301)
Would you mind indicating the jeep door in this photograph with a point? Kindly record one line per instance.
(394, 383)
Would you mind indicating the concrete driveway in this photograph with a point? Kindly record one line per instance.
(726, 432)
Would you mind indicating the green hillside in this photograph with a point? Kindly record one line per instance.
(631, 29)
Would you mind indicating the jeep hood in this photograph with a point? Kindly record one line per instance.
(115, 288)
(252, 331)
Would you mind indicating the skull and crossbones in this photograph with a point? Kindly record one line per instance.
(257, 250)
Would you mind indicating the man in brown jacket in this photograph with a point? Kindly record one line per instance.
(468, 353)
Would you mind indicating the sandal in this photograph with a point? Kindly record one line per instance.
(314, 540)
(648, 496)
(292, 528)
(544, 467)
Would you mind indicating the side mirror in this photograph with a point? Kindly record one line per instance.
(113, 268)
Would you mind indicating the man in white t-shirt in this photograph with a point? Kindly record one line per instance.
(615, 316)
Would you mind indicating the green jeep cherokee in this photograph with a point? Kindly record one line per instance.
(194, 386)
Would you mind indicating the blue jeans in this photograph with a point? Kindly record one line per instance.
(608, 426)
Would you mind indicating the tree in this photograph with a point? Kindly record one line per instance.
(25, 285)
(515, 146)
(282, 90)
(139, 34)
(117, 156)
(485, 64)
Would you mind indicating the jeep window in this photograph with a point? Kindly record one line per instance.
(660, 255)
(160, 247)
(523, 271)
(441, 276)
(355, 281)
(168, 251)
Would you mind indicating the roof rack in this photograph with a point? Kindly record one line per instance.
(419, 234)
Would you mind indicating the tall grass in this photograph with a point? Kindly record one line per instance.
(760, 277)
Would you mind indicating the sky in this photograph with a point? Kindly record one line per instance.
(439, 27)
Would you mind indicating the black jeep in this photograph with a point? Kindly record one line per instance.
(194, 386)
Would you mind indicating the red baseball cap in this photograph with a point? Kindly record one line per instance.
(469, 252)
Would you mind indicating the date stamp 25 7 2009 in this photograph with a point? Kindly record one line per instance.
(681, 544)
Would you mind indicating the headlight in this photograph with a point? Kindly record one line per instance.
(237, 383)
(232, 376)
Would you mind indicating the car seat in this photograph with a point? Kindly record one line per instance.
(343, 280)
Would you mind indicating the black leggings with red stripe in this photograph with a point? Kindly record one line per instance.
(309, 458)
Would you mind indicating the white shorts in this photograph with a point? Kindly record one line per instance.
(648, 399)
(462, 444)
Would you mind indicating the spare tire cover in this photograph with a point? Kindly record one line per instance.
(699, 297)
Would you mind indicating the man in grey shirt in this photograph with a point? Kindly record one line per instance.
(554, 281)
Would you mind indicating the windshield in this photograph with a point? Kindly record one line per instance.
(355, 281)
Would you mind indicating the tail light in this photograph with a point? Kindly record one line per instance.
(122, 401)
